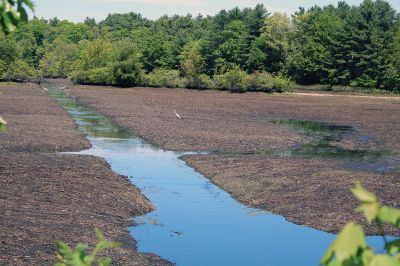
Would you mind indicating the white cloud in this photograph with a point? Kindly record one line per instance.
(164, 2)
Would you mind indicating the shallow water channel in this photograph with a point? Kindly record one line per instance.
(195, 223)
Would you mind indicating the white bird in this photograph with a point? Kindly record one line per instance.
(177, 115)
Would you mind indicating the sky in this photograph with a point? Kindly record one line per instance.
(78, 10)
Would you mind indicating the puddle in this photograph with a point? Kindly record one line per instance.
(196, 223)
(322, 137)
(322, 132)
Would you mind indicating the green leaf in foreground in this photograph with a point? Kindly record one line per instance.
(363, 195)
(79, 256)
(389, 215)
(369, 202)
(3, 124)
(347, 244)
(12, 13)
(384, 260)
(393, 247)
(350, 248)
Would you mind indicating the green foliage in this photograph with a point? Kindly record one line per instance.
(258, 54)
(79, 77)
(127, 73)
(269, 51)
(282, 83)
(8, 49)
(3, 124)
(12, 13)
(95, 76)
(100, 76)
(74, 33)
(236, 80)
(233, 80)
(157, 51)
(164, 78)
(392, 73)
(310, 59)
(94, 54)
(364, 81)
(350, 247)
(259, 81)
(363, 45)
(202, 81)
(192, 62)
(56, 63)
(234, 48)
(94, 63)
(19, 71)
(79, 256)
(126, 69)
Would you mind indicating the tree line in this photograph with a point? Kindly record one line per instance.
(238, 49)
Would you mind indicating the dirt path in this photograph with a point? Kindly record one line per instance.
(46, 196)
(314, 192)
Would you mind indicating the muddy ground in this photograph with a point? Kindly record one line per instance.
(313, 192)
(47, 196)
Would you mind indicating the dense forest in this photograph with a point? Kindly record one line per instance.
(240, 49)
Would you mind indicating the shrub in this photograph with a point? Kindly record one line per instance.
(19, 71)
(79, 77)
(127, 73)
(266, 82)
(219, 82)
(392, 79)
(58, 58)
(259, 81)
(282, 83)
(101, 76)
(3, 67)
(202, 81)
(96, 76)
(364, 82)
(126, 69)
(164, 78)
(232, 80)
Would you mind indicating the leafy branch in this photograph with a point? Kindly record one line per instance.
(13, 12)
(350, 247)
(79, 257)
(3, 124)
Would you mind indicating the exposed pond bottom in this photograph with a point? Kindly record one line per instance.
(195, 223)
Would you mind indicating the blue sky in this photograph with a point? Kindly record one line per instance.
(77, 10)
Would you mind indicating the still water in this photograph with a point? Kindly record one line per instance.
(195, 223)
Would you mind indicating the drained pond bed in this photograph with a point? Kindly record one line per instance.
(195, 222)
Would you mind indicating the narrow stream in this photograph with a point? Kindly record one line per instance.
(196, 223)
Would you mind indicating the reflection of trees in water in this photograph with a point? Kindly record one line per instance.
(91, 122)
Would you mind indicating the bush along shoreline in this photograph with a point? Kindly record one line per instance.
(235, 80)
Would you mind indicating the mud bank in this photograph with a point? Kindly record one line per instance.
(310, 191)
(47, 196)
